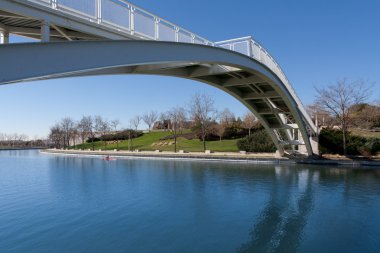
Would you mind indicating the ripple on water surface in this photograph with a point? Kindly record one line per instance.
(72, 204)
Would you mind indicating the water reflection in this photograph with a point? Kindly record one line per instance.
(280, 227)
(78, 204)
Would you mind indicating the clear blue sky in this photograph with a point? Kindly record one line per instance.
(316, 42)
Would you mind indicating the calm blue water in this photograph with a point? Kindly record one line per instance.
(71, 204)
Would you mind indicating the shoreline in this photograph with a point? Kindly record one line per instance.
(268, 158)
(218, 156)
(31, 148)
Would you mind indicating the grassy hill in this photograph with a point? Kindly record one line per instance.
(365, 133)
(151, 141)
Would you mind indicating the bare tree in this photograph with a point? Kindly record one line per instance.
(339, 98)
(92, 131)
(114, 124)
(249, 122)
(219, 130)
(56, 136)
(150, 118)
(203, 114)
(227, 117)
(102, 127)
(2, 139)
(177, 118)
(226, 120)
(74, 134)
(135, 121)
(130, 135)
(91, 128)
(164, 122)
(84, 128)
(13, 138)
(321, 117)
(67, 125)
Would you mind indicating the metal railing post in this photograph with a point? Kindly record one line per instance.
(132, 19)
(53, 4)
(176, 34)
(250, 48)
(156, 28)
(98, 11)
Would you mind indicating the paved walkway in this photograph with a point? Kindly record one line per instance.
(258, 157)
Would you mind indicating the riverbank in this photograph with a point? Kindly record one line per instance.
(225, 156)
(221, 156)
(28, 148)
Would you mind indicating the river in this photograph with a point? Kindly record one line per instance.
(81, 204)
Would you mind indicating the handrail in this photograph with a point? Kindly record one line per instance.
(132, 20)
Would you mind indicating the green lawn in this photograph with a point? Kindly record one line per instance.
(365, 133)
(145, 142)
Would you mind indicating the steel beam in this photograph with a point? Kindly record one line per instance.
(62, 32)
(45, 31)
(243, 81)
(3, 27)
(210, 70)
(37, 33)
(5, 14)
(268, 94)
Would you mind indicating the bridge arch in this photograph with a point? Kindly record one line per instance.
(246, 79)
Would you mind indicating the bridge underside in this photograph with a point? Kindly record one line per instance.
(244, 78)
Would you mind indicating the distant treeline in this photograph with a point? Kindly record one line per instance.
(10, 141)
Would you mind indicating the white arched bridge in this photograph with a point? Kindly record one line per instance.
(103, 37)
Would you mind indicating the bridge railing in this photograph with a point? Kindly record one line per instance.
(250, 47)
(125, 17)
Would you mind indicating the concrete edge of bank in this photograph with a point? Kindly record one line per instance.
(225, 157)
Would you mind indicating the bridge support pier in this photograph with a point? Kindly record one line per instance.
(279, 154)
(314, 141)
(4, 37)
(45, 31)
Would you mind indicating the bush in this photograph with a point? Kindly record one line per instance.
(123, 135)
(234, 133)
(259, 141)
(370, 147)
(89, 140)
(331, 141)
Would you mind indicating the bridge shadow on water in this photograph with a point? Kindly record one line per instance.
(280, 225)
